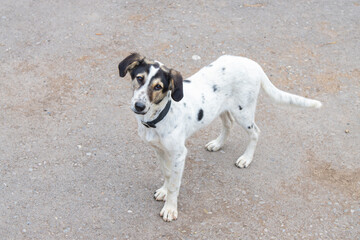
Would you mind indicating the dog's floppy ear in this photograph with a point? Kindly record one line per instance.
(129, 63)
(176, 82)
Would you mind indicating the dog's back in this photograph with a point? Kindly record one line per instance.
(236, 80)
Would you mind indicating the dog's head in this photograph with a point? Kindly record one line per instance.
(151, 82)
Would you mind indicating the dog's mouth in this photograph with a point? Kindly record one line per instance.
(137, 112)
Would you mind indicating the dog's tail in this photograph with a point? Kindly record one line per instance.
(280, 96)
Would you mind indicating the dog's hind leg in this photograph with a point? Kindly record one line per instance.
(227, 121)
(246, 120)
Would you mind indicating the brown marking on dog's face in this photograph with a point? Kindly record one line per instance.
(156, 91)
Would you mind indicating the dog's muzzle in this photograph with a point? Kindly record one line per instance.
(139, 108)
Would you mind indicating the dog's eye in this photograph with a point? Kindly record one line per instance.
(157, 87)
(140, 79)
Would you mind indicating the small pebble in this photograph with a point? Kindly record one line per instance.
(196, 57)
(347, 131)
(199, 160)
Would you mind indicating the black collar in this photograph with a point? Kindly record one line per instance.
(161, 116)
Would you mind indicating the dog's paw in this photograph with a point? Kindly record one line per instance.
(213, 146)
(160, 194)
(169, 213)
(243, 162)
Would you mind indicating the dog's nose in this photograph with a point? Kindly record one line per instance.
(139, 106)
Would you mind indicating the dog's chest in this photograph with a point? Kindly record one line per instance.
(149, 135)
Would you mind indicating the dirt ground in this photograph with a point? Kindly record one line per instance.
(73, 167)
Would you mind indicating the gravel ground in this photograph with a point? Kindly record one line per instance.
(73, 167)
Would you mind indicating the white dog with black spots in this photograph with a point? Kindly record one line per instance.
(170, 109)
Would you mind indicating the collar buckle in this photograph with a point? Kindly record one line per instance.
(148, 124)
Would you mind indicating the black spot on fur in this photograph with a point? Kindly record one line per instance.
(251, 126)
(200, 114)
(223, 69)
(240, 108)
(210, 65)
(187, 81)
(203, 98)
(184, 104)
(214, 88)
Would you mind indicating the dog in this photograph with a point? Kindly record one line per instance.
(169, 110)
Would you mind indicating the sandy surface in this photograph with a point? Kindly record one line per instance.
(73, 167)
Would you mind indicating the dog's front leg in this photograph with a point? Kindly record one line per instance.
(165, 165)
(176, 163)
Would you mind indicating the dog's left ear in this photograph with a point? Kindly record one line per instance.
(129, 63)
(176, 82)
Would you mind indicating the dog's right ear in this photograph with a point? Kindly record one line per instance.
(129, 63)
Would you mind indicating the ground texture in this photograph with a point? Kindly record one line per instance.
(73, 167)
